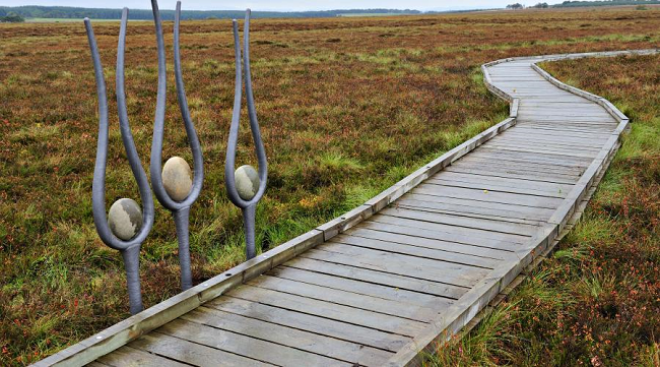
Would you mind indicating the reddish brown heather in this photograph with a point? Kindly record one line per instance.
(348, 107)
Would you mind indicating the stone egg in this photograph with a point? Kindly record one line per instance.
(125, 218)
(247, 182)
(177, 178)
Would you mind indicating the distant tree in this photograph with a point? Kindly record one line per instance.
(12, 18)
(541, 6)
(515, 6)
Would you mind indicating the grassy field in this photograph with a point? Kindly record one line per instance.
(348, 107)
(64, 20)
(596, 300)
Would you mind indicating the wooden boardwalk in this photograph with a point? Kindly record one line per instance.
(411, 266)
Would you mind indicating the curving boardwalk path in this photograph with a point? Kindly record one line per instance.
(411, 266)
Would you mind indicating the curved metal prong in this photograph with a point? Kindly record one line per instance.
(230, 162)
(198, 160)
(130, 249)
(252, 113)
(248, 207)
(180, 209)
(235, 123)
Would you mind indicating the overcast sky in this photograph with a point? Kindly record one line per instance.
(281, 5)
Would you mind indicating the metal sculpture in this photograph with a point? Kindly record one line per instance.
(125, 228)
(245, 186)
(172, 185)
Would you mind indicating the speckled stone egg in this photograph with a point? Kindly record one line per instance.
(177, 178)
(125, 218)
(247, 182)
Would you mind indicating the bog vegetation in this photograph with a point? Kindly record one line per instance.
(595, 301)
(347, 106)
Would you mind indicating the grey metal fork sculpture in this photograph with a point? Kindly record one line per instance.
(172, 186)
(128, 228)
(244, 186)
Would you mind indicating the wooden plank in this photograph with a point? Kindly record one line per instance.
(558, 128)
(369, 253)
(490, 225)
(566, 160)
(513, 172)
(289, 337)
(245, 346)
(506, 182)
(449, 236)
(315, 324)
(395, 281)
(447, 246)
(363, 288)
(423, 252)
(494, 196)
(511, 188)
(520, 150)
(374, 320)
(450, 274)
(127, 356)
(478, 164)
(480, 236)
(583, 144)
(190, 353)
(546, 131)
(476, 209)
(342, 297)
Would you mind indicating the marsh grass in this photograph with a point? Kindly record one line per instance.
(341, 121)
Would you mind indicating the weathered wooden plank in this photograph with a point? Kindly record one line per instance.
(245, 346)
(424, 252)
(290, 337)
(459, 248)
(479, 236)
(483, 195)
(506, 182)
(571, 153)
(517, 173)
(451, 274)
(378, 277)
(374, 320)
(566, 160)
(526, 141)
(360, 287)
(447, 235)
(478, 163)
(546, 131)
(190, 353)
(342, 297)
(127, 356)
(475, 209)
(515, 189)
(490, 225)
(315, 324)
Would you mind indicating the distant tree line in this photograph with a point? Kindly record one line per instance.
(144, 14)
(10, 17)
(568, 4)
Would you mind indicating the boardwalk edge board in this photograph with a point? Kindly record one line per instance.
(473, 302)
(132, 328)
